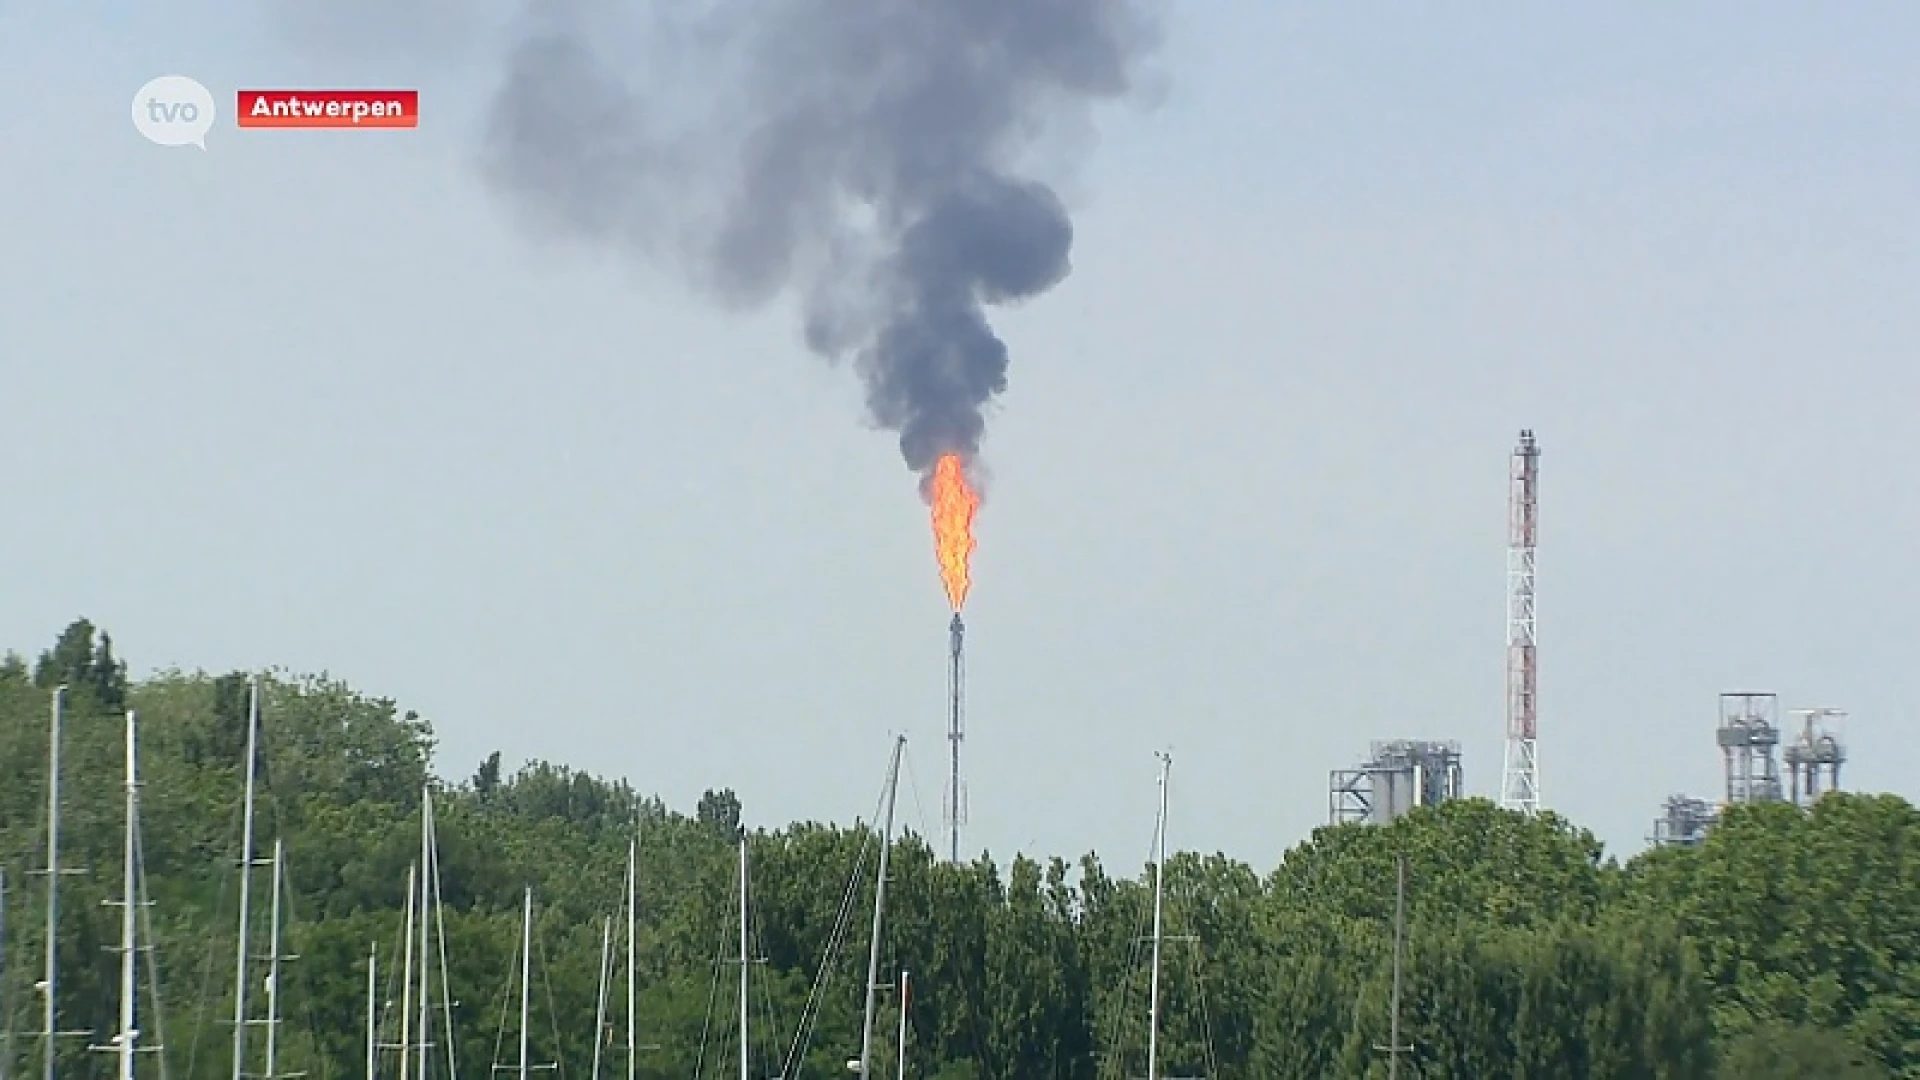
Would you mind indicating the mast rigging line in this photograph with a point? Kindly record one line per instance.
(706, 1026)
(1118, 1009)
(982, 1050)
(913, 785)
(836, 941)
(306, 984)
(553, 1007)
(1112, 1058)
(515, 965)
(440, 935)
(152, 950)
(207, 996)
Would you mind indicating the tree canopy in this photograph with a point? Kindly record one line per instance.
(1786, 945)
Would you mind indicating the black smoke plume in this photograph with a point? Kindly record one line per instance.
(870, 155)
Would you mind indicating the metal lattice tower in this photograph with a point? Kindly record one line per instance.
(1520, 775)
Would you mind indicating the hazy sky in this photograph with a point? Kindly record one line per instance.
(312, 399)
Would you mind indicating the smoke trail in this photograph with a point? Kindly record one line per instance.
(866, 154)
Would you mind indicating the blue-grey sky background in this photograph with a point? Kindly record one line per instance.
(312, 399)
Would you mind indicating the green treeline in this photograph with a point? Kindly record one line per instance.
(1786, 946)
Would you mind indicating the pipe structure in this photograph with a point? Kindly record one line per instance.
(956, 731)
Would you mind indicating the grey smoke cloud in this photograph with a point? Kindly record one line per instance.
(866, 155)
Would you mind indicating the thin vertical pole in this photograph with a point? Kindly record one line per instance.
(426, 966)
(1159, 880)
(879, 912)
(526, 974)
(906, 995)
(600, 995)
(6, 1012)
(406, 971)
(743, 956)
(1399, 935)
(633, 892)
(273, 963)
(50, 1015)
(246, 887)
(373, 1013)
(128, 885)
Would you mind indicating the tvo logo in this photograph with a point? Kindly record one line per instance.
(174, 110)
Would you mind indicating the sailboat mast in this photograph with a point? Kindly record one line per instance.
(129, 900)
(406, 971)
(600, 995)
(743, 955)
(6, 1012)
(906, 995)
(273, 962)
(633, 895)
(6, 1003)
(1399, 936)
(426, 965)
(50, 1015)
(246, 886)
(373, 1014)
(440, 938)
(879, 911)
(1159, 893)
(526, 974)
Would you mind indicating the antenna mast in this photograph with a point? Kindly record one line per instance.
(956, 731)
(1520, 778)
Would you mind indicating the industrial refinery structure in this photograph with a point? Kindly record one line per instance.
(1815, 755)
(1397, 777)
(1751, 751)
(1404, 774)
(1400, 775)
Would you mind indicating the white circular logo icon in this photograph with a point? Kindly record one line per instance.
(174, 110)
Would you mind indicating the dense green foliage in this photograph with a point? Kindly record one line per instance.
(1788, 945)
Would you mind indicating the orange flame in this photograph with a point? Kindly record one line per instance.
(954, 502)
